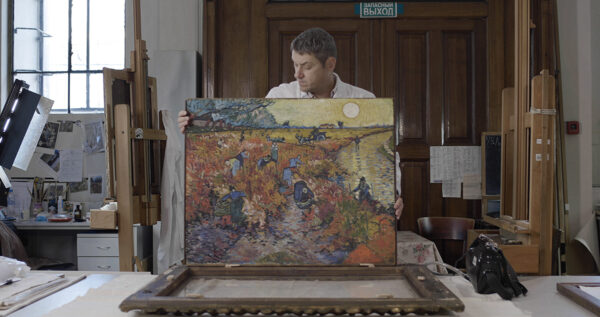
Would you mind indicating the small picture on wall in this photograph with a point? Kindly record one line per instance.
(48, 137)
(96, 185)
(53, 160)
(66, 126)
(53, 190)
(94, 142)
(78, 186)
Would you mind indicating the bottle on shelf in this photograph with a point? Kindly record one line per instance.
(77, 213)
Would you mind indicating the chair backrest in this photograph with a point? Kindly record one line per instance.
(440, 229)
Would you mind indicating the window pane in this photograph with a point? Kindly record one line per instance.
(33, 80)
(107, 33)
(56, 23)
(97, 91)
(79, 35)
(55, 88)
(78, 91)
(26, 38)
(26, 50)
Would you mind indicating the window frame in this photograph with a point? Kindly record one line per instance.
(69, 71)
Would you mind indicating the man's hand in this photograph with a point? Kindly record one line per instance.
(184, 120)
(398, 206)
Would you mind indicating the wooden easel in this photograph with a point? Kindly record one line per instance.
(134, 153)
(528, 150)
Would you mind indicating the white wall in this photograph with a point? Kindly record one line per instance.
(580, 58)
(595, 13)
(172, 31)
(166, 25)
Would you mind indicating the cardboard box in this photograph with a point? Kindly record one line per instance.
(103, 219)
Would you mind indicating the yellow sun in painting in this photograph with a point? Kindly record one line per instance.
(351, 110)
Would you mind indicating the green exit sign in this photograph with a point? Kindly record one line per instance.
(378, 9)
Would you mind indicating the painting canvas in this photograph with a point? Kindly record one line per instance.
(290, 182)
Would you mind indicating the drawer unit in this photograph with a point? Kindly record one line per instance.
(98, 252)
(98, 263)
(97, 246)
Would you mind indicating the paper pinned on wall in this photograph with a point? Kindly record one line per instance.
(472, 186)
(96, 185)
(22, 192)
(448, 163)
(32, 136)
(471, 191)
(71, 166)
(94, 137)
(451, 188)
(52, 160)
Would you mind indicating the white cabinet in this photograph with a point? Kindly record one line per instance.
(100, 251)
(97, 252)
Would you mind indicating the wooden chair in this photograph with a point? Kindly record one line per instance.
(448, 233)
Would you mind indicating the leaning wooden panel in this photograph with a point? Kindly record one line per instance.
(290, 181)
(323, 290)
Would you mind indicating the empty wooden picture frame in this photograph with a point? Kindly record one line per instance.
(299, 290)
(574, 292)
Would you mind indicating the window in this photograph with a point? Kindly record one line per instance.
(61, 46)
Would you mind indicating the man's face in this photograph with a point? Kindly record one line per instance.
(312, 76)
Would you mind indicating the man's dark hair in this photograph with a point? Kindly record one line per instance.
(315, 41)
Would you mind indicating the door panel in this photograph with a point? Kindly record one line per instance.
(436, 64)
(458, 91)
(412, 94)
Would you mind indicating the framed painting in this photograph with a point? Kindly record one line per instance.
(302, 290)
(583, 294)
(290, 182)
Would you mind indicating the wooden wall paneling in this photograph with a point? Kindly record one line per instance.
(435, 102)
(235, 40)
(412, 94)
(417, 171)
(458, 86)
(509, 43)
(432, 60)
(436, 90)
(495, 42)
(378, 59)
(258, 58)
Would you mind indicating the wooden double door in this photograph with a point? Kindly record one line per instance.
(433, 64)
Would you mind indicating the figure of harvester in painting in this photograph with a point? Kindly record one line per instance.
(364, 191)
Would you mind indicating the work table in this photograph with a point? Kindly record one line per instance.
(100, 294)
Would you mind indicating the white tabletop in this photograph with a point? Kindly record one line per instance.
(46, 225)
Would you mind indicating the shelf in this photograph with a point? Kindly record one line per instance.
(514, 226)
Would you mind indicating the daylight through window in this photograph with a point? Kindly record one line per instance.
(61, 46)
